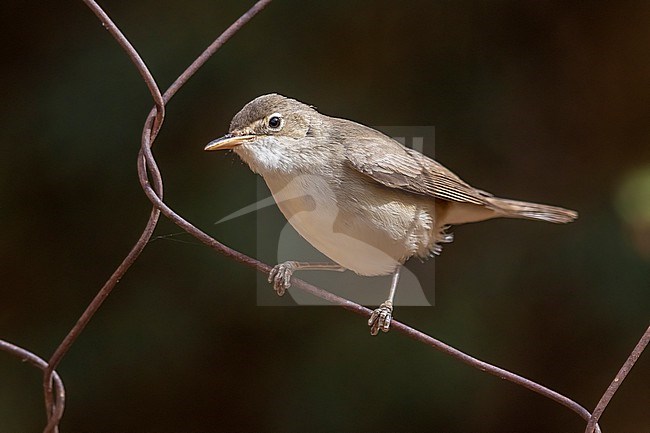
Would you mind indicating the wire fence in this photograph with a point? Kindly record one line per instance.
(151, 182)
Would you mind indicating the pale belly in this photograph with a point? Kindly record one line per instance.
(357, 241)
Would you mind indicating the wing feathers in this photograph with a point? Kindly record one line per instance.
(389, 163)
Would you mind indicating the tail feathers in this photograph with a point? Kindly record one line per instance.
(533, 211)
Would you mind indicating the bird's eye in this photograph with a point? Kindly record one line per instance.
(275, 122)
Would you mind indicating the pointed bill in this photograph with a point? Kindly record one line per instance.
(229, 141)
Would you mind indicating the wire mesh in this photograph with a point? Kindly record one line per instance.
(150, 179)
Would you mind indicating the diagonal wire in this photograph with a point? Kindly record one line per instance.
(617, 381)
(213, 47)
(151, 129)
(354, 307)
(95, 304)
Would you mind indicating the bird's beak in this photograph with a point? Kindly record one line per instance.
(229, 141)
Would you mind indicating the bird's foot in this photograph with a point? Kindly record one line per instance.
(380, 318)
(280, 276)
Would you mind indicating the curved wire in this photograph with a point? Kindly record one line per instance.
(55, 412)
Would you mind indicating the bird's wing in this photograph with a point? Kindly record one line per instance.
(397, 166)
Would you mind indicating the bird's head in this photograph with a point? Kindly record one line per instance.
(272, 133)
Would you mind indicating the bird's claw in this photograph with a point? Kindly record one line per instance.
(380, 318)
(280, 277)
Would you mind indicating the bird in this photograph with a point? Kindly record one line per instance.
(363, 199)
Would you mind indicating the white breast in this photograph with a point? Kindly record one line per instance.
(355, 242)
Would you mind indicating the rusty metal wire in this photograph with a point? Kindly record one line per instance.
(592, 424)
(151, 181)
(151, 128)
(55, 411)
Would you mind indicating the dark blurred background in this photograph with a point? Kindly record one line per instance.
(544, 101)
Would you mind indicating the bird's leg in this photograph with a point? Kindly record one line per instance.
(281, 273)
(380, 318)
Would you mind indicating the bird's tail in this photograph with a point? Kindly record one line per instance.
(533, 211)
